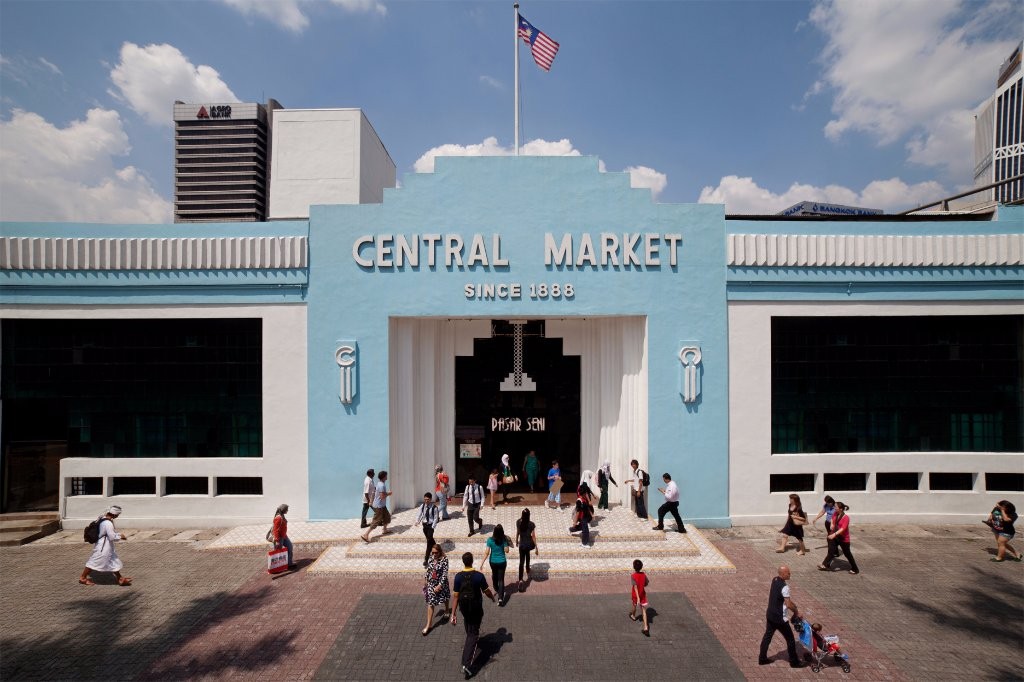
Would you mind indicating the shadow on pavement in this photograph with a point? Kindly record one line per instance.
(488, 646)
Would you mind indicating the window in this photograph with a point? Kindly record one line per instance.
(944, 481)
(135, 485)
(791, 483)
(844, 482)
(134, 388)
(897, 480)
(89, 485)
(238, 485)
(897, 384)
(1009, 482)
(187, 485)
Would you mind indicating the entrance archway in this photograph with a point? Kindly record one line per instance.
(496, 415)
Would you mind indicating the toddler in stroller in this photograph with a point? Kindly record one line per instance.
(820, 647)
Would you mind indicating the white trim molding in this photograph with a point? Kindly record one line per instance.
(144, 253)
(870, 251)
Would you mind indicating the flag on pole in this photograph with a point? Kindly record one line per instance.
(542, 47)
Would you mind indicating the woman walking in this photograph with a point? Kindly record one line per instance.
(526, 540)
(828, 510)
(796, 518)
(1000, 520)
(492, 485)
(280, 534)
(507, 478)
(838, 539)
(435, 586)
(103, 557)
(604, 474)
(496, 546)
(531, 467)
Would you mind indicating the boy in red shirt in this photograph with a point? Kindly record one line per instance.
(638, 592)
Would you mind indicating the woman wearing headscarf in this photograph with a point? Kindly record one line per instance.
(280, 534)
(506, 477)
(103, 557)
(531, 467)
(604, 474)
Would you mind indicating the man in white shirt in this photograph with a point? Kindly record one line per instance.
(428, 516)
(472, 498)
(671, 493)
(636, 483)
(368, 487)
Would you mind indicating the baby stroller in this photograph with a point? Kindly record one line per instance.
(827, 648)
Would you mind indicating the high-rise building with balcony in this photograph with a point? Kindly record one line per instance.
(998, 140)
(221, 153)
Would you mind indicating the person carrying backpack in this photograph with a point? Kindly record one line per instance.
(639, 483)
(468, 591)
(584, 514)
(103, 557)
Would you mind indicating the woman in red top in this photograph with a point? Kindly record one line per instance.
(280, 533)
(839, 538)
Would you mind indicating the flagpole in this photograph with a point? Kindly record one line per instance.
(515, 100)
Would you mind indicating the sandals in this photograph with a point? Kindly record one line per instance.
(124, 582)
(86, 581)
(647, 633)
(822, 567)
(633, 618)
(424, 631)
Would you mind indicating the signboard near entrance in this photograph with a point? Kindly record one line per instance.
(518, 424)
(470, 451)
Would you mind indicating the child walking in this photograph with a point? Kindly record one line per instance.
(638, 593)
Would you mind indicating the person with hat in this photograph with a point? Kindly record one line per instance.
(442, 488)
(103, 557)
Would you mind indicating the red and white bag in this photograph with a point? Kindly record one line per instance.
(277, 560)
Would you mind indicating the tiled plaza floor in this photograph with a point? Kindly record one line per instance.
(927, 605)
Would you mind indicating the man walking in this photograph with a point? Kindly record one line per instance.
(428, 517)
(368, 489)
(780, 609)
(381, 515)
(472, 498)
(441, 491)
(467, 591)
(671, 493)
(637, 485)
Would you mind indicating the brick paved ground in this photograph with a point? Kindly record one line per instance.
(927, 605)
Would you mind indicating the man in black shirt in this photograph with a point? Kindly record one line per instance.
(468, 591)
(778, 619)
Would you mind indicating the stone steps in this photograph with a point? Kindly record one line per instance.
(23, 528)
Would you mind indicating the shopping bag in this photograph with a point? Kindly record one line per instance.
(277, 560)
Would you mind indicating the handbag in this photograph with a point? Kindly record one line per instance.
(277, 560)
(509, 479)
(798, 520)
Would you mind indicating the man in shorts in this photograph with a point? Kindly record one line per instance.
(381, 515)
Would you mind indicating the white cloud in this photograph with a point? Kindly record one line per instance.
(642, 176)
(639, 176)
(149, 79)
(492, 82)
(51, 66)
(288, 14)
(901, 69)
(743, 196)
(69, 174)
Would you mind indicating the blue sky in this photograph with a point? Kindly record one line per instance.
(757, 105)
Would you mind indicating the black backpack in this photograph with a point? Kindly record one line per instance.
(92, 531)
(471, 598)
(646, 478)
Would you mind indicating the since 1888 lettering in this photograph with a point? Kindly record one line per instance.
(513, 291)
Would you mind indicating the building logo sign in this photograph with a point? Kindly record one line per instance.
(218, 111)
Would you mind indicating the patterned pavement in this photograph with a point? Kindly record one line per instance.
(928, 605)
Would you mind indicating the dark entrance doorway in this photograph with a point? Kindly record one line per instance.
(491, 422)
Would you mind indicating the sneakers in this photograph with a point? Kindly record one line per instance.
(658, 528)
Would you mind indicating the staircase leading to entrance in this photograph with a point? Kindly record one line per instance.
(24, 527)
(617, 538)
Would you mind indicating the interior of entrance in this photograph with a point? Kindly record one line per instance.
(543, 417)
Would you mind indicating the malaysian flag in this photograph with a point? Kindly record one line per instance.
(543, 48)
